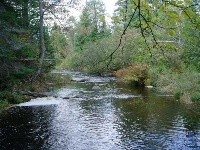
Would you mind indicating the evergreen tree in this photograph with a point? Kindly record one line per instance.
(16, 40)
(92, 25)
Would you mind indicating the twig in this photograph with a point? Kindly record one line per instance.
(162, 27)
(183, 9)
(121, 37)
(142, 30)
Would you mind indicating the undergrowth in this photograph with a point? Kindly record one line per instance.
(136, 74)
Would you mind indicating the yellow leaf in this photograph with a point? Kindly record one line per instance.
(102, 19)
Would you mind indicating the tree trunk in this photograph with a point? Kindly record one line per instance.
(42, 45)
(25, 9)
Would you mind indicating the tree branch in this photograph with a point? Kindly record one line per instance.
(121, 37)
(183, 9)
(154, 38)
(142, 30)
(160, 26)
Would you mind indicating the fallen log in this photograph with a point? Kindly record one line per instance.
(33, 94)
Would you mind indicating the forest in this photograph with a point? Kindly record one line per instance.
(144, 43)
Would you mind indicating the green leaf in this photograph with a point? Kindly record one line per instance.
(172, 14)
(131, 6)
(155, 3)
(144, 24)
(162, 8)
(154, 18)
(180, 2)
(188, 2)
(184, 15)
(171, 32)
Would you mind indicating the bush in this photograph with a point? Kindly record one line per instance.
(95, 56)
(136, 74)
(191, 53)
(196, 96)
(166, 81)
(11, 97)
(184, 85)
(3, 104)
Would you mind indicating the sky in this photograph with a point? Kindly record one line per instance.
(109, 6)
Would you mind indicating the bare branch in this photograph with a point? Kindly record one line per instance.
(142, 30)
(152, 33)
(160, 26)
(56, 18)
(120, 41)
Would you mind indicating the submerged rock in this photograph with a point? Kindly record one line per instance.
(65, 97)
(96, 88)
(79, 80)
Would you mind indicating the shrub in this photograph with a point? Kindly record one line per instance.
(11, 97)
(136, 74)
(191, 53)
(184, 85)
(95, 57)
(166, 81)
(3, 104)
(195, 96)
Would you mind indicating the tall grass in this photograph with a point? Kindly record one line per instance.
(185, 85)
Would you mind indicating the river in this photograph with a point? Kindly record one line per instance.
(115, 117)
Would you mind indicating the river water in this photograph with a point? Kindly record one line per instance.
(116, 117)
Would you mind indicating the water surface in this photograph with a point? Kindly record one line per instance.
(117, 117)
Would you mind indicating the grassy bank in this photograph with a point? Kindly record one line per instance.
(183, 84)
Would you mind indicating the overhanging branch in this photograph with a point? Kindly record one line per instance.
(121, 37)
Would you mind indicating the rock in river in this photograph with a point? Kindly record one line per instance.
(96, 88)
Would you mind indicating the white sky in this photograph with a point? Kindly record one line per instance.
(109, 6)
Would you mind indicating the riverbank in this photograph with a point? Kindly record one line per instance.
(19, 93)
(184, 84)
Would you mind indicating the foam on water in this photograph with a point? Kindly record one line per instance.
(42, 101)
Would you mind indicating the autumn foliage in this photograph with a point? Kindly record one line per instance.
(136, 74)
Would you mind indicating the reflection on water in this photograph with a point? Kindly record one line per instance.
(25, 127)
(115, 118)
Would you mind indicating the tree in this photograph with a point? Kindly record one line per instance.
(49, 6)
(59, 43)
(167, 16)
(191, 53)
(19, 38)
(92, 25)
(42, 45)
(16, 40)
